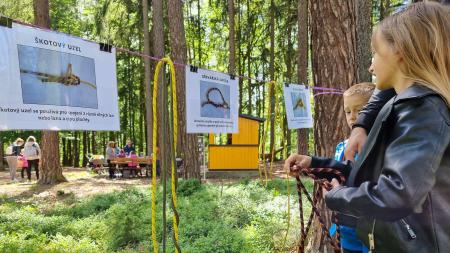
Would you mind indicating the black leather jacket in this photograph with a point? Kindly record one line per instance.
(401, 181)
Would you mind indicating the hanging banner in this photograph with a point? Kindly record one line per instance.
(54, 81)
(298, 106)
(212, 103)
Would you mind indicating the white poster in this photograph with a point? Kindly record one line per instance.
(298, 106)
(54, 81)
(212, 103)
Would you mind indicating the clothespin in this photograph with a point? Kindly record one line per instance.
(105, 47)
(193, 68)
(6, 22)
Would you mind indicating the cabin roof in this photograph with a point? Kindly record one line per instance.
(246, 116)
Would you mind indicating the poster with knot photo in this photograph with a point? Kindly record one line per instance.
(297, 99)
(55, 81)
(212, 102)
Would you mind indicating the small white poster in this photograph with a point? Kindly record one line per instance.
(212, 103)
(54, 81)
(298, 106)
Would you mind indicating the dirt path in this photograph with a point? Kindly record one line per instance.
(80, 182)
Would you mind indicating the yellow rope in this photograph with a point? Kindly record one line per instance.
(275, 114)
(265, 131)
(155, 137)
(175, 136)
(288, 209)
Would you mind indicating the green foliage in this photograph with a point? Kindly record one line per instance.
(188, 187)
(238, 218)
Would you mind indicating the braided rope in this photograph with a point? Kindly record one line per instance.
(317, 195)
(155, 136)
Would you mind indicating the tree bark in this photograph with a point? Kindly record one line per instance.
(363, 35)
(188, 142)
(333, 38)
(2, 146)
(147, 79)
(231, 40)
(51, 170)
(85, 149)
(272, 74)
(94, 143)
(302, 65)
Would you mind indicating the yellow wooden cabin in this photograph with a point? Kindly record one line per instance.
(241, 151)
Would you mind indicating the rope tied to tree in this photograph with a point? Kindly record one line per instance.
(317, 195)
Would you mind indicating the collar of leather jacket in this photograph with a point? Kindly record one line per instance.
(414, 91)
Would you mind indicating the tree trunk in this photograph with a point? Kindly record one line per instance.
(51, 170)
(2, 146)
(239, 53)
(272, 75)
(178, 45)
(231, 40)
(302, 65)
(76, 145)
(363, 35)
(85, 149)
(94, 143)
(147, 79)
(333, 38)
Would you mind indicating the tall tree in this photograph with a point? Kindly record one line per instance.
(147, 78)
(178, 48)
(302, 65)
(333, 41)
(363, 34)
(272, 74)
(51, 170)
(231, 40)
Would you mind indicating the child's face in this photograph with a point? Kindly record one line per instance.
(353, 104)
(385, 64)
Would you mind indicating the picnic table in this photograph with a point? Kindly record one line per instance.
(142, 162)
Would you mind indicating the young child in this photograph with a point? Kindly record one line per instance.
(22, 163)
(399, 188)
(133, 165)
(355, 98)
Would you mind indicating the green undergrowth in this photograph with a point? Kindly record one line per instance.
(237, 217)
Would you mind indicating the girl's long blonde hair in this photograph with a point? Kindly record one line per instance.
(421, 35)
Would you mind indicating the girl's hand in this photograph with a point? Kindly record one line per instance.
(296, 162)
(334, 184)
(355, 143)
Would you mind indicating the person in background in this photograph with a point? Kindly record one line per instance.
(22, 163)
(121, 154)
(32, 152)
(116, 148)
(110, 155)
(12, 158)
(129, 147)
(133, 164)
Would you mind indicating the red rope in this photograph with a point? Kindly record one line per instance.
(317, 195)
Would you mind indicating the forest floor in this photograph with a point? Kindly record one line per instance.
(81, 183)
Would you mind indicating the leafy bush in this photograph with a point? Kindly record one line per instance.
(188, 187)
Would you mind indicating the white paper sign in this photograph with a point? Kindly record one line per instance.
(298, 106)
(54, 81)
(212, 103)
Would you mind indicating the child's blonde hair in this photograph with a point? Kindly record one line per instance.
(420, 34)
(361, 89)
